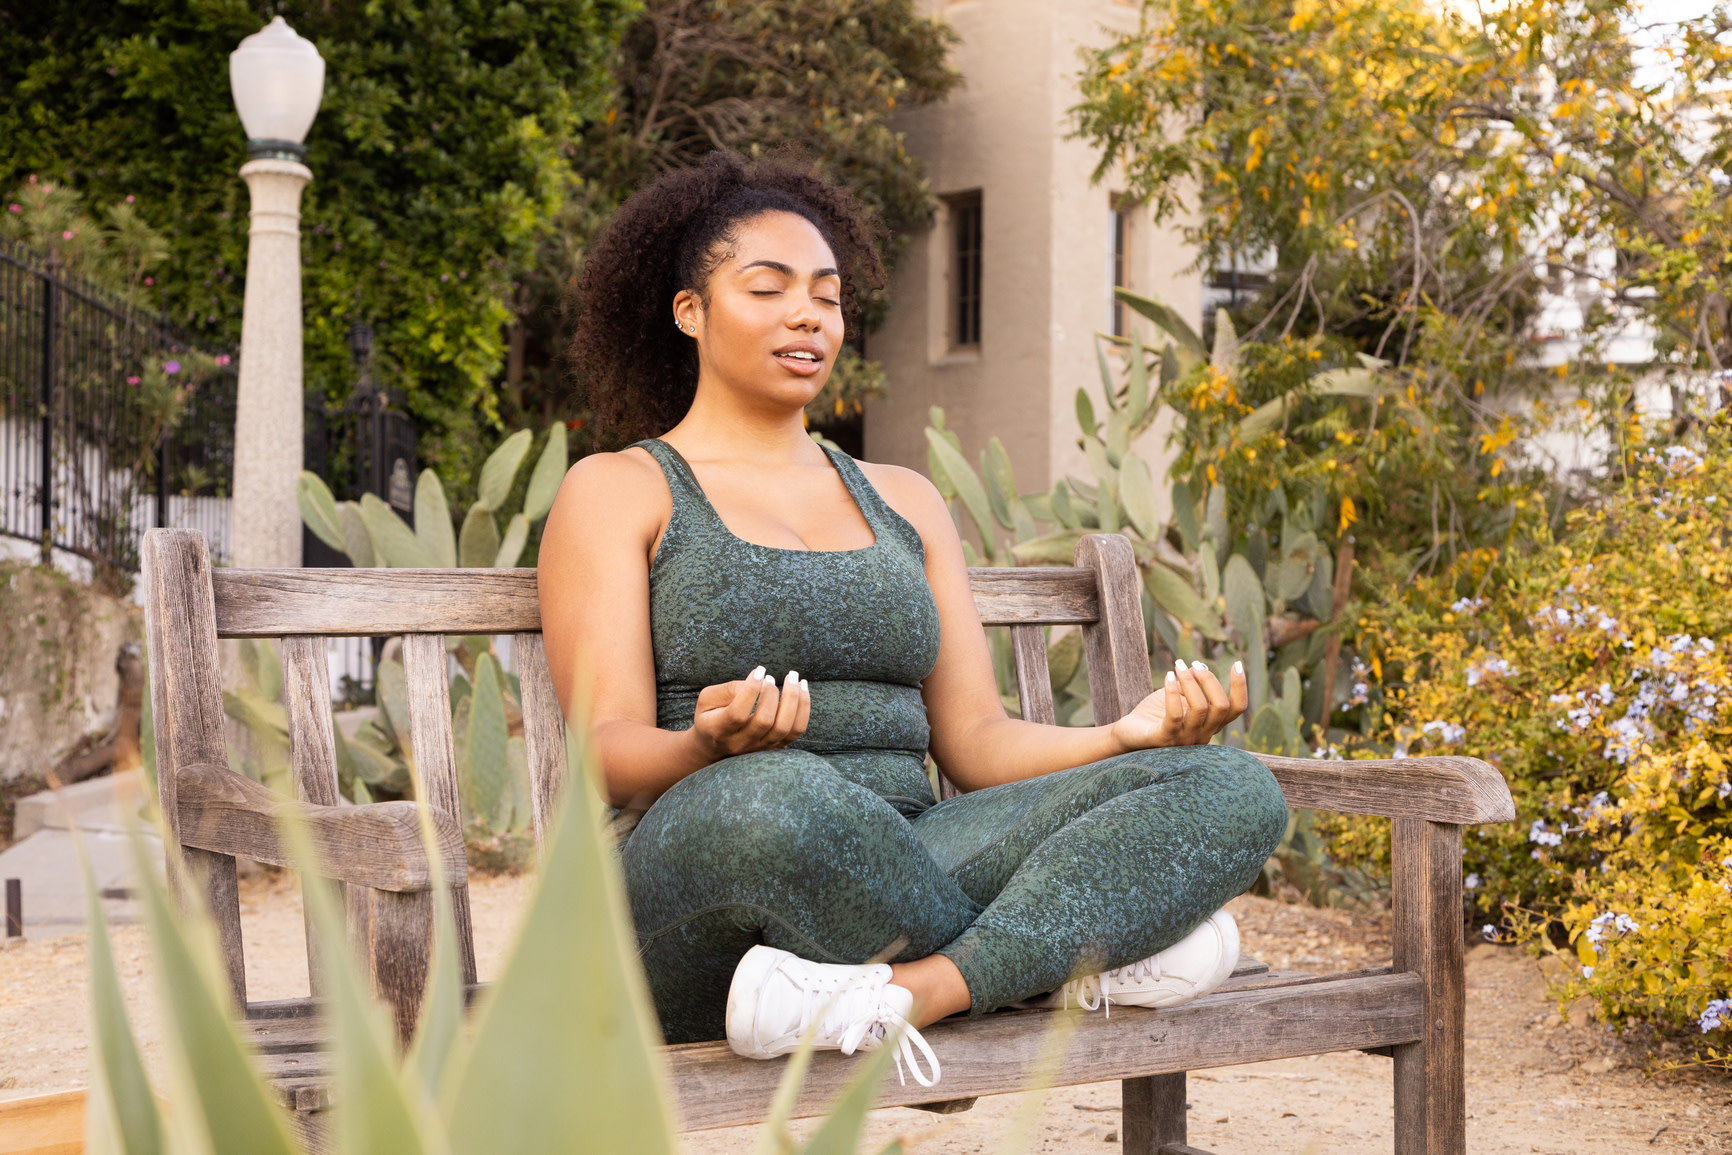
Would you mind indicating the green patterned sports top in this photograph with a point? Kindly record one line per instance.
(858, 624)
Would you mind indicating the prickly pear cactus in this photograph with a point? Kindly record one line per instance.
(492, 767)
(1254, 585)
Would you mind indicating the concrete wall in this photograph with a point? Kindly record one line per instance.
(1046, 248)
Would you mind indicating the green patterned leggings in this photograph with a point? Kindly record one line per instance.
(1022, 886)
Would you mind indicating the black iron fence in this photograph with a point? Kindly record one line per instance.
(90, 387)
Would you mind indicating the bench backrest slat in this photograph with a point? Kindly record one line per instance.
(312, 751)
(543, 728)
(388, 602)
(434, 751)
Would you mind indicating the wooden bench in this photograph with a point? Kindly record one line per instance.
(1411, 1010)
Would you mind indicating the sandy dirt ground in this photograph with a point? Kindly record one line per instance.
(1537, 1081)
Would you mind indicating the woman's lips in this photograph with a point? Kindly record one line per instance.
(799, 365)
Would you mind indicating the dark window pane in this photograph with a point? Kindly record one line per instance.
(965, 270)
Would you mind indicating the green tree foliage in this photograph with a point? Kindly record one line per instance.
(115, 250)
(441, 155)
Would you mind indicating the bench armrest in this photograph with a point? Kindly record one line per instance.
(377, 845)
(1444, 789)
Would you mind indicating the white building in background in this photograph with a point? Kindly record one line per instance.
(994, 309)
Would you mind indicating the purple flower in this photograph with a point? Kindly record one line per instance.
(171, 367)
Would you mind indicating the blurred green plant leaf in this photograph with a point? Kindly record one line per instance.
(433, 520)
(1137, 490)
(357, 542)
(964, 482)
(478, 544)
(1188, 347)
(318, 509)
(511, 547)
(394, 542)
(1175, 595)
(549, 471)
(500, 470)
(558, 1061)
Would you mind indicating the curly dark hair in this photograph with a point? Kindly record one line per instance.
(638, 372)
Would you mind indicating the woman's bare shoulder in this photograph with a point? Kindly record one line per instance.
(623, 490)
(911, 495)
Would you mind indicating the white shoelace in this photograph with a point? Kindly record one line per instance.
(869, 1031)
(1098, 988)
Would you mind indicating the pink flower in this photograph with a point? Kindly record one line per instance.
(67, 235)
(171, 367)
(222, 359)
(132, 380)
(128, 198)
(17, 208)
(150, 280)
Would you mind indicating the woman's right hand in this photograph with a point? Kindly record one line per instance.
(751, 714)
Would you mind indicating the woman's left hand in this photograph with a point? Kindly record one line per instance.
(1188, 710)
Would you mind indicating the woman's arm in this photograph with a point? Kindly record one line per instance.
(593, 578)
(973, 740)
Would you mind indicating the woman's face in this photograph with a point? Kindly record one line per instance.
(773, 323)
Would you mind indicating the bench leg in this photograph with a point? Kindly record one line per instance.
(1153, 1113)
(1430, 1075)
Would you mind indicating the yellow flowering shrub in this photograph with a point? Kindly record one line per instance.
(1593, 667)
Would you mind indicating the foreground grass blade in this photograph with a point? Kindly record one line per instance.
(375, 1108)
(565, 1051)
(222, 1104)
(840, 1133)
(440, 1031)
(121, 1113)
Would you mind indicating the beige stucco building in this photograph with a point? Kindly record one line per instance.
(995, 307)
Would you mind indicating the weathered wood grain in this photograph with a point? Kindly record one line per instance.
(1152, 1114)
(313, 757)
(187, 710)
(275, 603)
(1442, 789)
(996, 1053)
(1033, 681)
(424, 666)
(1037, 595)
(400, 943)
(543, 729)
(1116, 647)
(1430, 1073)
(377, 845)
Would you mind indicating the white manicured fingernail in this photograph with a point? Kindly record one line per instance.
(1238, 667)
(1198, 666)
(793, 678)
(1171, 678)
(1179, 665)
(757, 673)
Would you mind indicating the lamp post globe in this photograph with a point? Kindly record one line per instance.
(277, 79)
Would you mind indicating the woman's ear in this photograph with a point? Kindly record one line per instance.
(688, 312)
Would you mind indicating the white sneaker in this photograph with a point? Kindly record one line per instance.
(776, 998)
(1189, 969)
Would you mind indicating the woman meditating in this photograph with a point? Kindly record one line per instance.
(768, 637)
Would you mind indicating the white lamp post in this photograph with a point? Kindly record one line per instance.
(277, 78)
